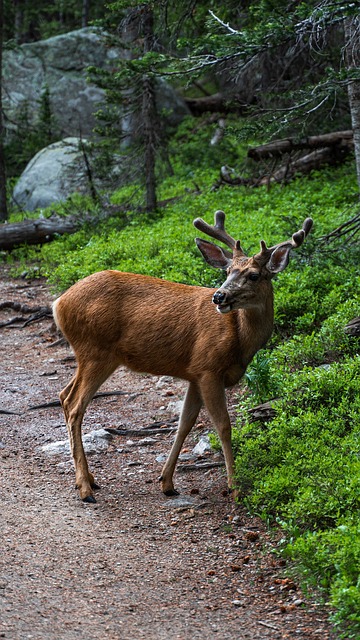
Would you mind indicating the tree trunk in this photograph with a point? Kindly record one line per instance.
(352, 49)
(3, 201)
(85, 13)
(18, 21)
(149, 118)
(149, 124)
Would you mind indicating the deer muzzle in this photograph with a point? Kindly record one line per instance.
(220, 299)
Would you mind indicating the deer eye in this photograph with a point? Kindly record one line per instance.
(253, 276)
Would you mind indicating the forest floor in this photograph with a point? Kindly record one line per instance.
(135, 564)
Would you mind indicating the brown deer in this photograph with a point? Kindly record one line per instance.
(164, 328)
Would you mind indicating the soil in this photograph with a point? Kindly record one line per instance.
(135, 564)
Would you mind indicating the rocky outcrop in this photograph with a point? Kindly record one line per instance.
(59, 65)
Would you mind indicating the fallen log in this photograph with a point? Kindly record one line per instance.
(310, 162)
(353, 328)
(39, 231)
(277, 148)
(263, 412)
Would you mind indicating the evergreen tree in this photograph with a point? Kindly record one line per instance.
(131, 112)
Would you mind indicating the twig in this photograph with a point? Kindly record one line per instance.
(199, 465)
(145, 431)
(161, 423)
(150, 429)
(223, 24)
(56, 343)
(269, 626)
(352, 225)
(9, 413)
(56, 403)
(45, 405)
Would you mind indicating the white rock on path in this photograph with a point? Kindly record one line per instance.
(93, 442)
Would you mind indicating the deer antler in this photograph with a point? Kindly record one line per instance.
(296, 240)
(217, 230)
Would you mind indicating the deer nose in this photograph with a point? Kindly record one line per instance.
(219, 297)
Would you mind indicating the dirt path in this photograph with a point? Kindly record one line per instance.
(136, 564)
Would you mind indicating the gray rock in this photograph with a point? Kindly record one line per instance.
(60, 64)
(93, 442)
(202, 446)
(176, 407)
(180, 502)
(55, 172)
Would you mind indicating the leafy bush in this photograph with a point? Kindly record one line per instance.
(332, 559)
(303, 468)
(305, 298)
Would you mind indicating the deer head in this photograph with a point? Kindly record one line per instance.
(247, 278)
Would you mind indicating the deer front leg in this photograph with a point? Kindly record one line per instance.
(213, 393)
(189, 413)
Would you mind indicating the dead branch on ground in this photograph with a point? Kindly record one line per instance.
(37, 313)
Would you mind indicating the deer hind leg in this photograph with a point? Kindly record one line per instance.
(189, 413)
(75, 398)
(213, 394)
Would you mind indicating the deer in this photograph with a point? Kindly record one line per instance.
(202, 335)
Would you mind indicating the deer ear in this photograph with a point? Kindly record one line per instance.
(214, 255)
(279, 260)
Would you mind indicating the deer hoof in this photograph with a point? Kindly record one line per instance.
(89, 499)
(171, 492)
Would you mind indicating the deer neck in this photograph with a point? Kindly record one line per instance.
(255, 326)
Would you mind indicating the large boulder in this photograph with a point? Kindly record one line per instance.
(59, 65)
(56, 172)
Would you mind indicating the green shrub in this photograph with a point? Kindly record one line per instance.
(303, 469)
(332, 559)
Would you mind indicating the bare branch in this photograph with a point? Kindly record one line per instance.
(223, 24)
